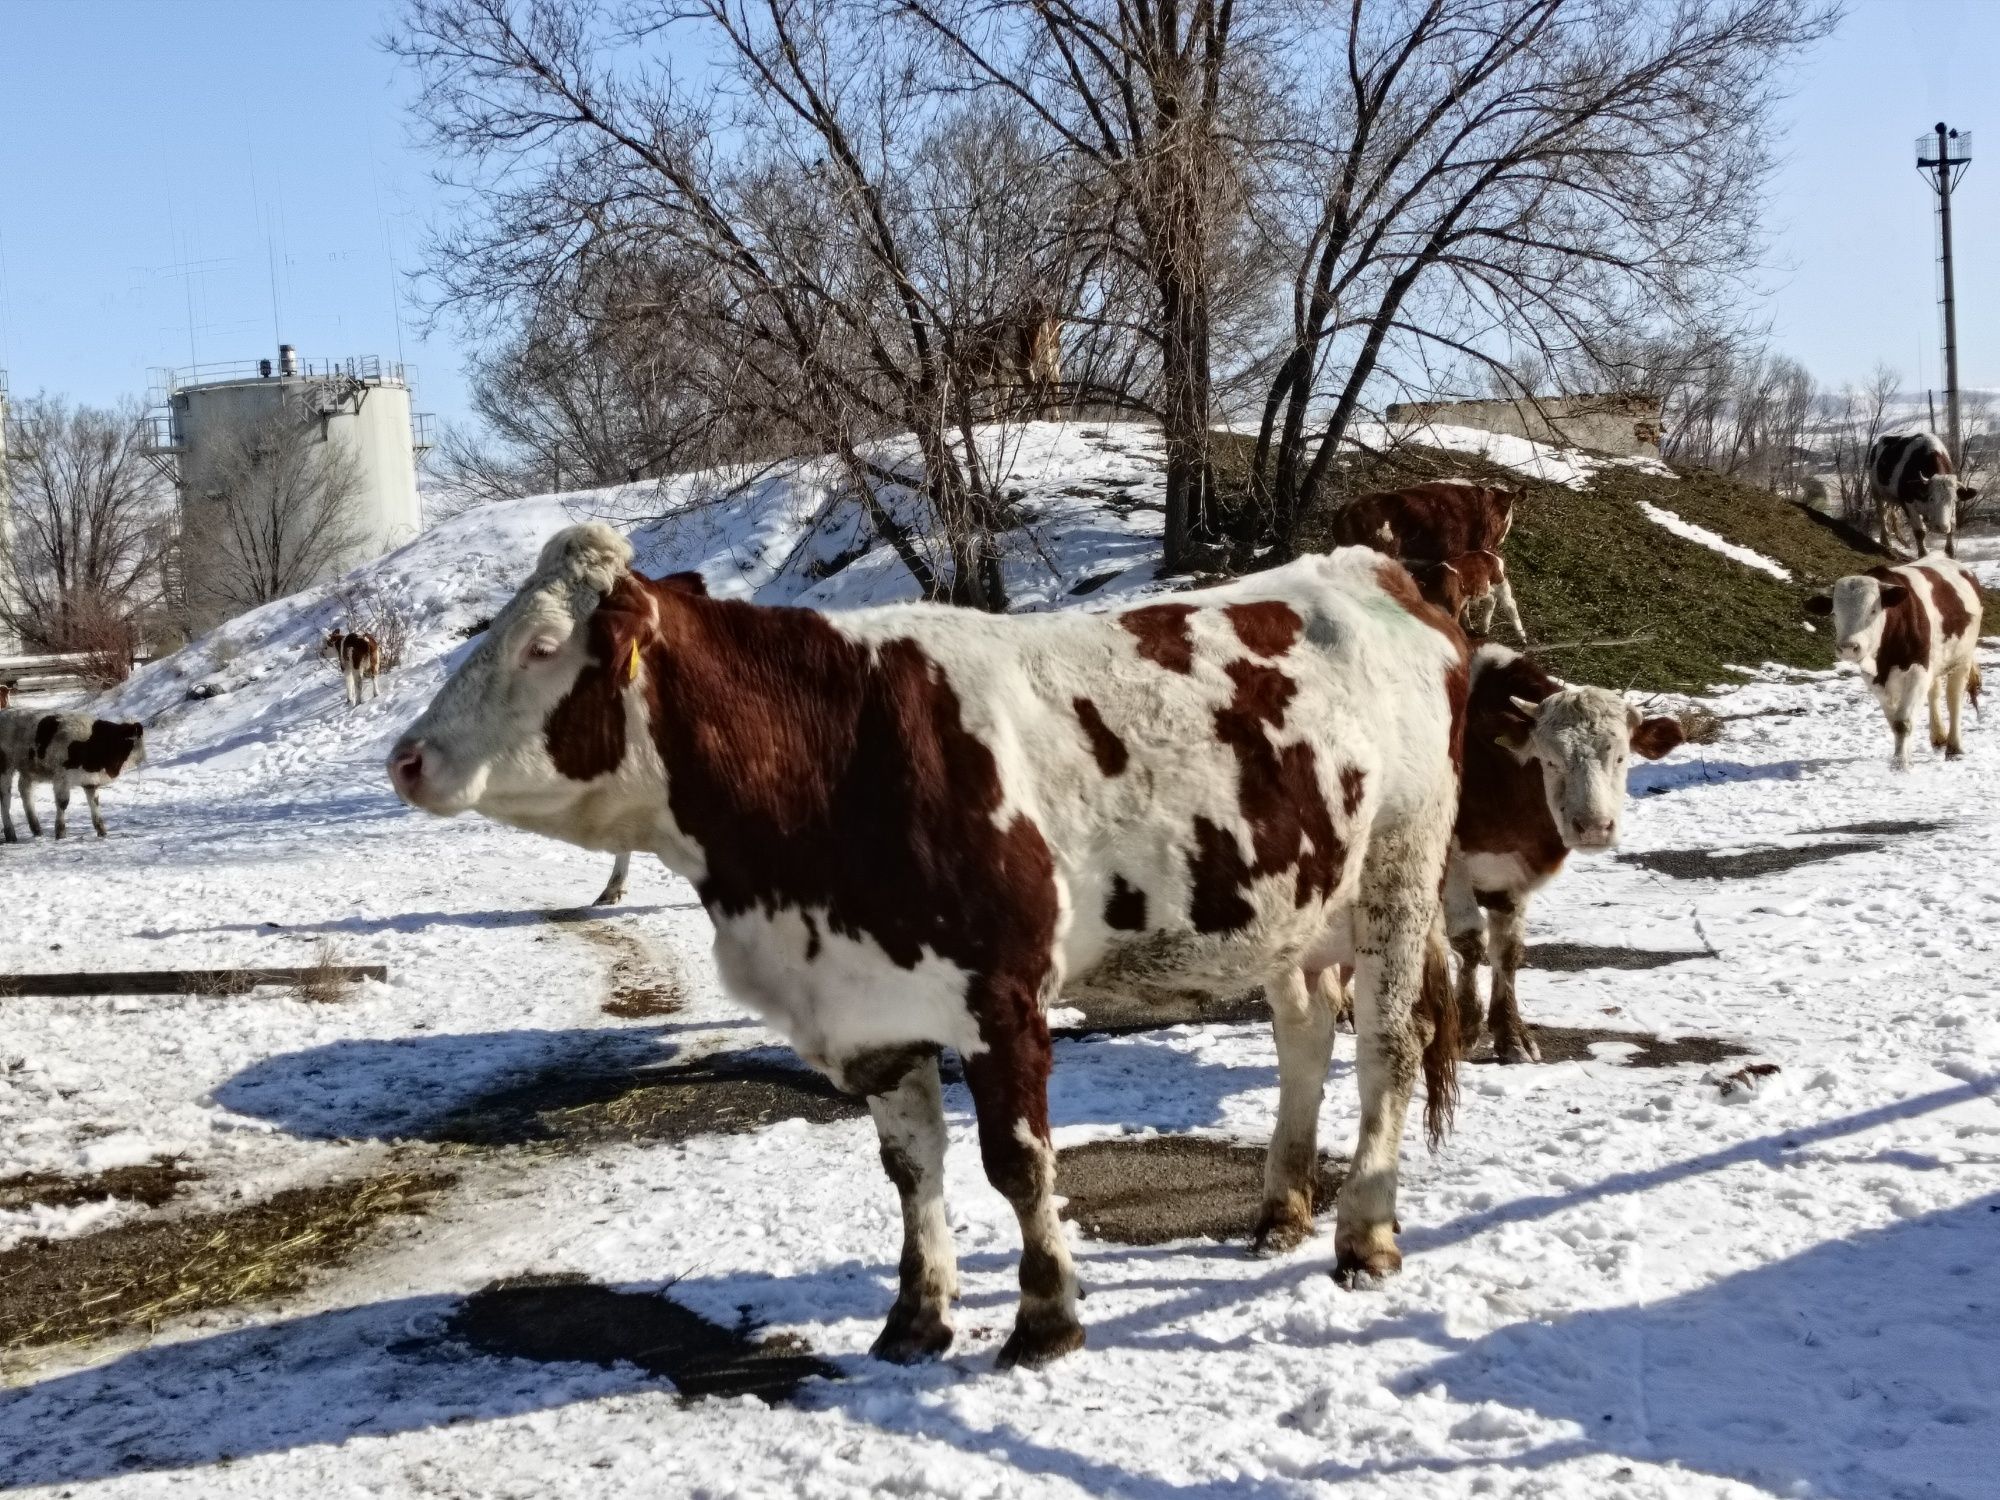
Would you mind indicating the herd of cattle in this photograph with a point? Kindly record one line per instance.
(914, 828)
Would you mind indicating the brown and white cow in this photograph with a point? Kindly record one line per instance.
(1018, 352)
(1544, 774)
(1913, 471)
(1448, 533)
(1914, 629)
(359, 658)
(65, 750)
(915, 826)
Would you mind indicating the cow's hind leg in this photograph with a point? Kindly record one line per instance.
(1954, 691)
(61, 788)
(1465, 922)
(96, 813)
(28, 805)
(1503, 591)
(1401, 960)
(1511, 1042)
(909, 1120)
(1302, 1016)
(7, 803)
(614, 889)
(1010, 1089)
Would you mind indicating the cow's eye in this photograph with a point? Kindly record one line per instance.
(542, 648)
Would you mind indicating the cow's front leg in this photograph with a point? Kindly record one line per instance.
(909, 1120)
(614, 889)
(1465, 922)
(1503, 591)
(96, 813)
(1395, 917)
(61, 788)
(28, 806)
(7, 802)
(1010, 1089)
(1511, 1041)
(1302, 1017)
(1954, 745)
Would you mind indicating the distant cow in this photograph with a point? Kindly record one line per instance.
(65, 750)
(915, 827)
(1467, 588)
(1021, 351)
(1913, 629)
(359, 658)
(1913, 471)
(1443, 524)
(6, 692)
(1544, 774)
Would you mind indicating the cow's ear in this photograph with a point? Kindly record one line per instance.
(1893, 594)
(686, 583)
(1653, 738)
(1517, 727)
(1820, 604)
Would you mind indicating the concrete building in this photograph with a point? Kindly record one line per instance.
(1623, 424)
(203, 421)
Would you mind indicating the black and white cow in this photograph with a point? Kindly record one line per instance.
(915, 826)
(1914, 630)
(1913, 471)
(65, 750)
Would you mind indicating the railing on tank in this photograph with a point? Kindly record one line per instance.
(423, 426)
(367, 367)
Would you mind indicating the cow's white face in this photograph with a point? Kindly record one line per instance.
(482, 745)
(1583, 738)
(1857, 607)
(1941, 497)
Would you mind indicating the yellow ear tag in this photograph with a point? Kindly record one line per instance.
(632, 664)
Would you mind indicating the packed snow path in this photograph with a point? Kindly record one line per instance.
(1620, 1281)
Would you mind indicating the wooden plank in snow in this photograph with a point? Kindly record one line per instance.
(183, 981)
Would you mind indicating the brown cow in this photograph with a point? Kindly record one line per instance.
(1440, 524)
(360, 659)
(1467, 588)
(1020, 351)
(1544, 773)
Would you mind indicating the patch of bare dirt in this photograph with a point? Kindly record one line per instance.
(1741, 864)
(1126, 1015)
(1572, 958)
(1147, 1190)
(642, 982)
(151, 1183)
(1573, 1044)
(728, 1094)
(139, 1275)
(567, 1319)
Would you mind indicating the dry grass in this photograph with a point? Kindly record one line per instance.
(141, 1274)
(1699, 725)
(152, 1183)
(323, 982)
(221, 984)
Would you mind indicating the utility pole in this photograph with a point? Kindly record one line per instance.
(1943, 157)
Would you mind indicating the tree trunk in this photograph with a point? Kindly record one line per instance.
(1184, 408)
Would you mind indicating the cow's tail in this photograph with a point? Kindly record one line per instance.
(1438, 1014)
(1972, 690)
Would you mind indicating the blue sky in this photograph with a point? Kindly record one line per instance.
(161, 157)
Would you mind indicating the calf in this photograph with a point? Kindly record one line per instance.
(66, 750)
(1913, 629)
(1544, 774)
(1440, 529)
(1913, 470)
(1467, 587)
(914, 827)
(359, 657)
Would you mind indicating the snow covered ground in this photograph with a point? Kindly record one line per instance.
(1620, 1282)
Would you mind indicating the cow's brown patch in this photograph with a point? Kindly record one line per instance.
(1218, 876)
(45, 735)
(585, 733)
(1953, 618)
(1268, 627)
(1906, 626)
(106, 749)
(1395, 581)
(1112, 756)
(1353, 784)
(1163, 634)
(1503, 807)
(1125, 907)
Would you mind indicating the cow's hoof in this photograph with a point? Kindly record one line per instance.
(912, 1338)
(1517, 1048)
(1036, 1341)
(1954, 752)
(1281, 1227)
(1362, 1271)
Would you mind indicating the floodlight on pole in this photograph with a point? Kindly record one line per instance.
(1942, 156)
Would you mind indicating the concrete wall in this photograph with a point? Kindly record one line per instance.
(369, 420)
(1619, 424)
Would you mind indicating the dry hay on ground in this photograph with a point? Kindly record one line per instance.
(641, 985)
(138, 1275)
(725, 1095)
(1147, 1190)
(565, 1318)
(151, 1183)
(1574, 1043)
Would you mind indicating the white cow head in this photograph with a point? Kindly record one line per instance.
(1941, 500)
(492, 740)
(1583, 737)
(1858, 604)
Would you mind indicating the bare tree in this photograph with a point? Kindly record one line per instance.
(1858, 416)
(90, 522)
(1481, 176)
(278, 499)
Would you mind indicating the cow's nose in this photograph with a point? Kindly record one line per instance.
(1596, 833)
(406, 767)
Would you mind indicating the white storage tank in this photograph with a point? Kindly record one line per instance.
(230, 428)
